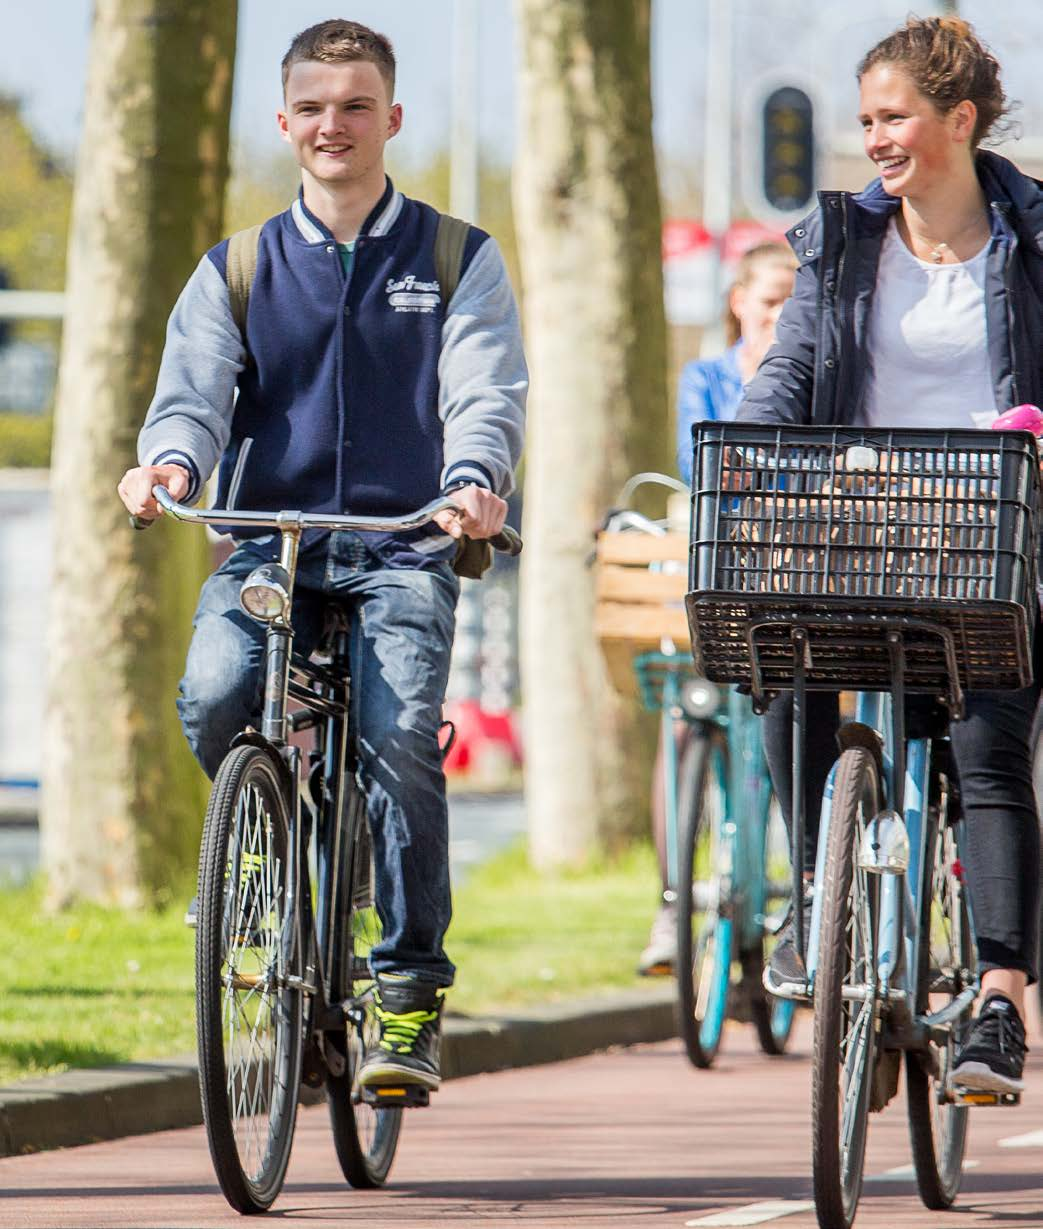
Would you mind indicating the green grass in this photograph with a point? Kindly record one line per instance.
(91, 986)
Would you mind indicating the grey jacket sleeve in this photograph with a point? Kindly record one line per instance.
(191, 413)
(482, 376)
(781, 390)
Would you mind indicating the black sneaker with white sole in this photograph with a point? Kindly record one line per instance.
(408, 1048)
(992, 1058)
(785, 972)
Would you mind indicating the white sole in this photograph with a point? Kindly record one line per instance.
(980, 1078)
(383, 1077)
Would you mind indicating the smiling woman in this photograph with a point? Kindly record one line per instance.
(918, 303)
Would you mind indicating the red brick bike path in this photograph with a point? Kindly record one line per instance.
(630, 1138)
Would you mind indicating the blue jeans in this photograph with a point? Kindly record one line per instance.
(402, 624)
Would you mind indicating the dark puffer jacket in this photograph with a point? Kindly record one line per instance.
(815, 372)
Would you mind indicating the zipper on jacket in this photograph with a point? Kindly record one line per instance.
(1008, 264)
(237, 473)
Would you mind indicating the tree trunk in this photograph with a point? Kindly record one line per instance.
(123, 798)
(588, 216)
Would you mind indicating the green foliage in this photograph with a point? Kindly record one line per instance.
(520, 937)
(35, 201)
(25, 440)
(90, 985)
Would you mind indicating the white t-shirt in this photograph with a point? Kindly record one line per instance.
(928, 348)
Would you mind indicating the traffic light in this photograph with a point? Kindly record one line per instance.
(788, 158)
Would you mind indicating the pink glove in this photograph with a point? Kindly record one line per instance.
(1021, 418)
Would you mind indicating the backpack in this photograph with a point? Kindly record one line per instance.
(473, 557)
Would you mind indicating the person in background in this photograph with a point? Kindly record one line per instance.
(712, 389)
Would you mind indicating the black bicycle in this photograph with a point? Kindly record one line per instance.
(284, 991)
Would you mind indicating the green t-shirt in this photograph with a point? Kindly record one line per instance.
(347, 256)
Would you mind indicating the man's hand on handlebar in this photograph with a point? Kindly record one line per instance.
(482, 513)
(135, 488)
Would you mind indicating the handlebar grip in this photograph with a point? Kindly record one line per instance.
(507, 541)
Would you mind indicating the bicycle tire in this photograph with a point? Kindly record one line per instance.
(843, 1049)
(249, 1025)
(365, 1138)
(938, 1131)
(1036, 743)
(772, 1017)
(704, 935)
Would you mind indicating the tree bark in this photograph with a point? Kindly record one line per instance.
(588, 215)
(123, 799)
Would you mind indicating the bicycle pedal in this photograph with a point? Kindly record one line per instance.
(980, 1096)
(401, 1096)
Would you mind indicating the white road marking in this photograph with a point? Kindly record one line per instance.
(1034, 1139)
(755, 1213)
(906, 1173)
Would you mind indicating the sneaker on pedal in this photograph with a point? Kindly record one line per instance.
(993, 1056)
(659, 958)
(408, 1048)
(785, 971)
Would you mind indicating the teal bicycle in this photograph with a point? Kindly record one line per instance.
(899, 564)
(719, 815)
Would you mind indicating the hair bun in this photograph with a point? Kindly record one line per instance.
(957, 26)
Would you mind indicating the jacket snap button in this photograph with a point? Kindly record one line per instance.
(810, 252)
(831, 363)
(329, 247)
(831, 286)
(800, 232)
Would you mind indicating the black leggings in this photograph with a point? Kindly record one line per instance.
(991, 746)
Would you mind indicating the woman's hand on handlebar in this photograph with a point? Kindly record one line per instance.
(481, 513)
(135, 488)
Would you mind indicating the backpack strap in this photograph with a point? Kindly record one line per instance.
(241, 265)
(450, 239)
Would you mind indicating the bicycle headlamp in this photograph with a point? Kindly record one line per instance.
(265, 594)
(700, 699)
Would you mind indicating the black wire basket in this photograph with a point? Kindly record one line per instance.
(850, 533)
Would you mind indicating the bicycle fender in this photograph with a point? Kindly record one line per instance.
(858, 734)
(254, 738)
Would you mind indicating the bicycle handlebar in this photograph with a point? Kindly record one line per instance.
(507, 540)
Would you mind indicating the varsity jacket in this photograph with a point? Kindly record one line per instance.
(358, 393)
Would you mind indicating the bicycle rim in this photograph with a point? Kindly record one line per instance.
(248, 1021)
(937, 1128)
(845, 1028)
(772, 1017)
(365, 1137)
(704, 936)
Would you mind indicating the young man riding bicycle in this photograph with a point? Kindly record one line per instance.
(355, 386)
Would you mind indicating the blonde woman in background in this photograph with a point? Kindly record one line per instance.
(712, 389)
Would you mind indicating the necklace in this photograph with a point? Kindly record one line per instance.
(937, 251)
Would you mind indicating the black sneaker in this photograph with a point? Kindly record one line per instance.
(785, 971)
(993, 1056)
(408, 1048)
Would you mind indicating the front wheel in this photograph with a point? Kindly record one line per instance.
(845, 997)
(704, 930)
(248, 1020)
(937, 1127)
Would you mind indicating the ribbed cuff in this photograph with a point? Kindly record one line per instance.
(179, 458)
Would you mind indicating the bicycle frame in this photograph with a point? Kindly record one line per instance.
(906, 783)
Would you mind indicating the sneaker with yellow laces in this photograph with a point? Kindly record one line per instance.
(408, 1049)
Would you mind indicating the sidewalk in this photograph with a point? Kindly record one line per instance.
(82, 1107)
